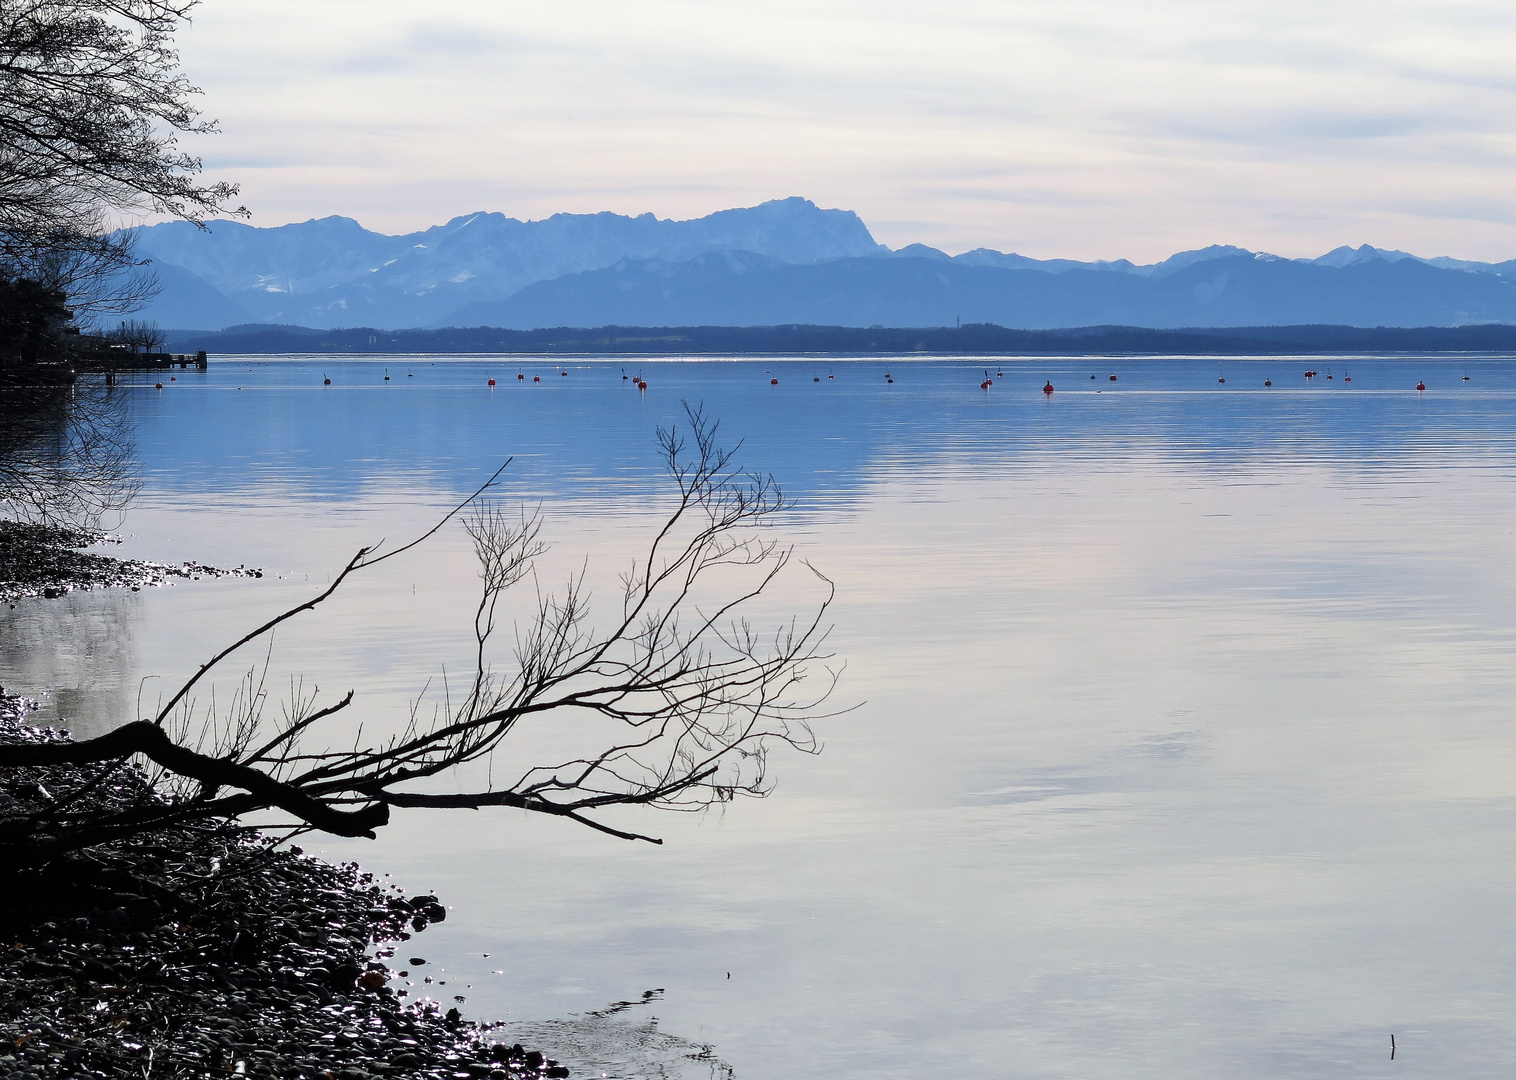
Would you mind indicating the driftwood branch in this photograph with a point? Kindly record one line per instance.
(358, 562)
(674, 706)
(149, 740)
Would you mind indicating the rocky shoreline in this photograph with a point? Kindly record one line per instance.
(213, 951)
(50, 561)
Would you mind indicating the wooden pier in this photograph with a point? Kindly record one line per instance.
(114, 361)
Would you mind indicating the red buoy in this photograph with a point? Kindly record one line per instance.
(773, 382)
(1268, 382)
(1048, 389)
(1113, 378)
(816, 379)
(985, 385)
(326, 382)
(173, 378)
(520, 376)
(1222, 379)
(1421, 386)
(160, 386)
(641, 384)
(563, 373)
(1347, 378)
(492, 382)
(536, 378)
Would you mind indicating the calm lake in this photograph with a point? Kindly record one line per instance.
(1184, 744)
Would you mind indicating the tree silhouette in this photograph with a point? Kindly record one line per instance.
(673, 704)
(92, 107)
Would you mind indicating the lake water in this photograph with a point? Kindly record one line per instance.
(1184, 745)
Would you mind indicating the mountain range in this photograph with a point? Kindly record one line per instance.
(781, 262)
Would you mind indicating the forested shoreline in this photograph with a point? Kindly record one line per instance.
(977, 339)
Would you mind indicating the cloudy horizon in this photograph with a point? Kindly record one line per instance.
(1080, 130)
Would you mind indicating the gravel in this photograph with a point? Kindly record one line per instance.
(49, 561)
(211, 952)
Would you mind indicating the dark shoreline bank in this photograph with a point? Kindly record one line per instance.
(976, 339)
(209, 952)
(50, 561)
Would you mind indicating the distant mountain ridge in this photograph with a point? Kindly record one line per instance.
(333, 272)
(784, 261)
(738, 289)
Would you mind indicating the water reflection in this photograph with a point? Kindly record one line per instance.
(67, 458)
(76, 655)
(66, 453)
(1187, 745)
(250, 422)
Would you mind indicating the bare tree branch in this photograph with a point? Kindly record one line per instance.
(675, 706)
(92, 110)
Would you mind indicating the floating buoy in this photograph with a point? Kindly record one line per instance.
(1421, 386)
(492, 382)
(1048, 389)
(1222, 379)
(831, 376)
(773, 382)
(985, 385)
(1310, 374)
(1092, 376)
(536, 378)
(1268, 382)
(641, 384)
(1329, 378)
(160, 386)
(173, 378)
(563, 373)
(326, 382)
(888, 379)
(408, 375)
(1347, 378)
(1465, 379)
(1113, 378)
(623, 378)
(999, 374)
(520, 376)
(816, 378)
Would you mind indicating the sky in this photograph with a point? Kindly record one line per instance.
(1072, 128)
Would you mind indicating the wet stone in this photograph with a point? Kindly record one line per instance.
(50, 561)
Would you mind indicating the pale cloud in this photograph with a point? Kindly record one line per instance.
(1084, 128)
